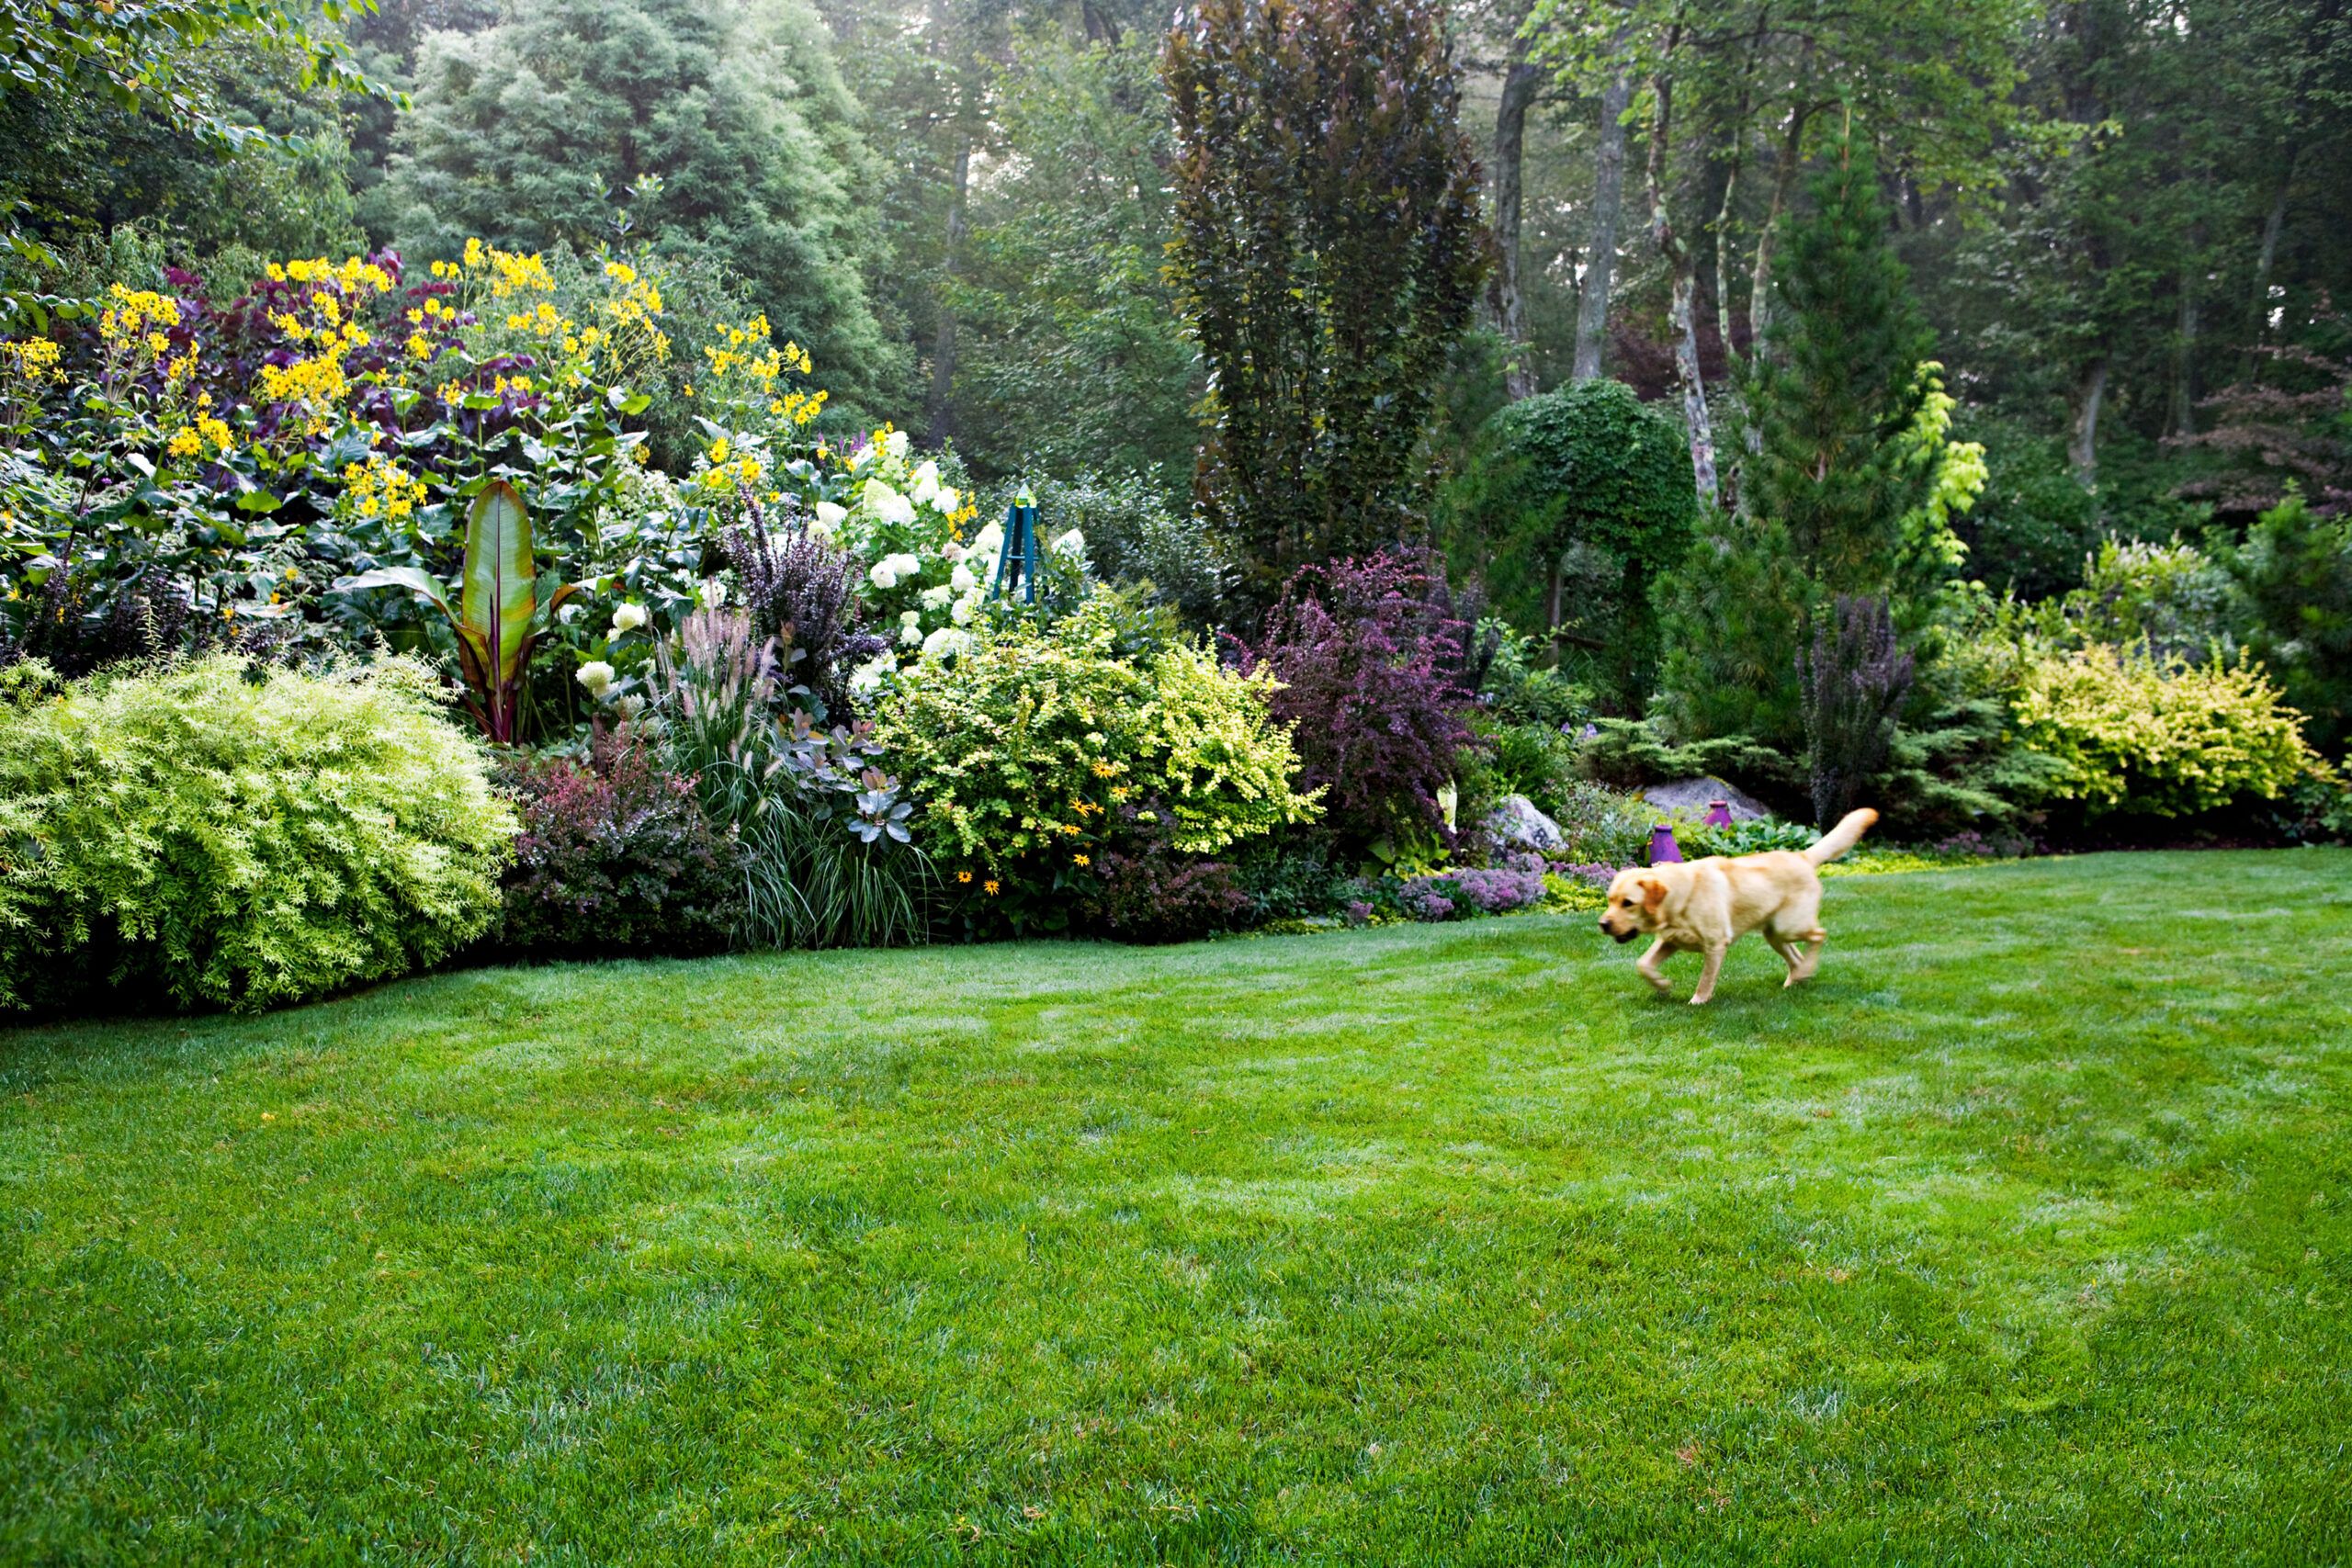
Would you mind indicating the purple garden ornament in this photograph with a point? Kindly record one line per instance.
(1719, 814)
(1662, 845)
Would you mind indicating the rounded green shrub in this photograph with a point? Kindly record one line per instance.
(2130, 731)
(218, 833)
(1583, 494)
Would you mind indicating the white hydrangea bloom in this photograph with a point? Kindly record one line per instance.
(965, 609)
(896, 444)
(936, 599)
(884, 575)
(904, 565)
(829, 516)
(925, 489)
(887, 503)
(1071, 544)
(945, 641)
(713, 593)
(597, 676)
(910, 627)
(987, 541)
(628, 618)
(947, 500)
(866, 678)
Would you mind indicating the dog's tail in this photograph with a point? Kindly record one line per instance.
(1843, 837)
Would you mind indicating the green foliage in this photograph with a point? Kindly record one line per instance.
(1517, 690)
(1732, 619)
(1137, 534)
(1590, 469)
(1069, 354)
(1022, 750)
(502, 607)
(526, 132)
(1327, 252)
(2174, 597)
(2296, 574)
(217, 833)
(819, 825)
(1840, 389)
(2130, 731)
(2031, 531)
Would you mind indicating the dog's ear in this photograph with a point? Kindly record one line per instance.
(1653, 893)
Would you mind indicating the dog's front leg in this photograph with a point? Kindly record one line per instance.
(1647, 965)
(1707, 976)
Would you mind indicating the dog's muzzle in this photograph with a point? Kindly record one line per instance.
(1623, 936)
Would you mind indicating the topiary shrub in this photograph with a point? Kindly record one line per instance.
(615, 856)
(217, 833)
(1571, 504)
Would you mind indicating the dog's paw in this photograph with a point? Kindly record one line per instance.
(1701, 1001)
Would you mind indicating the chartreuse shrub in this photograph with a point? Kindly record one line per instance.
(1026, 750)
(217, 833)
(2130, 731)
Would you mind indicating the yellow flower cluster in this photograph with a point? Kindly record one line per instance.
(504, 273)
(33, 361)
(208, 435)
(379, 486)
(352, 275)
(130, 322)
(635, 312)
(748, 364)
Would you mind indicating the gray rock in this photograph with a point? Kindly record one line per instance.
(1515, 822)
(1694, 794)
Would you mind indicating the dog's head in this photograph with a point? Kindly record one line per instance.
(1636, 897)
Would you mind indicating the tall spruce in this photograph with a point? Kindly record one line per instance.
(1839, 473)
(1328, 251)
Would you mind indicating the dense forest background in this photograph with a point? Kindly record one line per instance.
(2127, 220)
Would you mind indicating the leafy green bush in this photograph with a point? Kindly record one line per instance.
(218, 833)
(2131, 731)
(2296, 573)
(1022, 750)
(1135, 534)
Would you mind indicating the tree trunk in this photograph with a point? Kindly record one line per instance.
(2082, 451)
(1600, 255)
(1520, 79)
(2267, 255)
(2183, 412)
(940, 406)
(1681, 312)
(1760, 276)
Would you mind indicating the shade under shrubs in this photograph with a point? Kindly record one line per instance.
(216, 833)
(615, 856)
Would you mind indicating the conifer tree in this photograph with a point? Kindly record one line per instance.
(1840, 476)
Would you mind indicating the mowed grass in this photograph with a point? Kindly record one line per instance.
(2023, 1234)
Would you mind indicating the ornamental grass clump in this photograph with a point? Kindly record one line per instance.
(216, 833)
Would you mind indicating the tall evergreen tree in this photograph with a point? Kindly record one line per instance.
(1839, 478)
(1841, 389)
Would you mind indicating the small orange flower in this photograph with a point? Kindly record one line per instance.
(1081, 860)
(962, 876)
(989, 887)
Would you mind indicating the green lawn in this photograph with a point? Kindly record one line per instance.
(2023, 1234)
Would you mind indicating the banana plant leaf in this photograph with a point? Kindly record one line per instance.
(503, 605)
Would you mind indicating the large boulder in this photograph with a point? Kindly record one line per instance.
(1695, 796)
(1516, 824)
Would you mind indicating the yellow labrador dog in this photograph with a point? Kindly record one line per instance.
(1704, 906)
